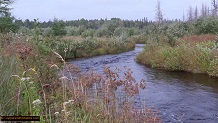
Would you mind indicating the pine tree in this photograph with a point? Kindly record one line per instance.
(215, 7)
(190, 14)
(6, 21)
(4, 9)
(203, 11)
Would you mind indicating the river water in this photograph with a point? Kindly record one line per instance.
(179, 96)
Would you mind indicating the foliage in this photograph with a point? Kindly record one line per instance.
(4, 10)
(207, 25)
(8, 86)
(47, 31)
(103, 32)
(24, 30)
(71, 48)
(199, 57)
(58, 28)
(6, 25)
(120, 31)
(31, 86)
(88, 33)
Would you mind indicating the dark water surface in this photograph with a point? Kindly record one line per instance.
(180, 96)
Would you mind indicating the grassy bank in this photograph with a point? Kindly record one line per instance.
(30, 84)
(77, 47)
(197, 54)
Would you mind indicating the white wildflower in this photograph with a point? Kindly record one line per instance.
(68, 112)
(56, 113)
(70, 101)
(65, 103)
(63, 78)
(37, 102)
(31, 82)
(25, 78)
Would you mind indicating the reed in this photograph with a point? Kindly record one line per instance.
(35, 82)
(193, 56)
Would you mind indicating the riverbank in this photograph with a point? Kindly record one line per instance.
(77, 47)
(31, 87)
(175, 95)
(199, 56)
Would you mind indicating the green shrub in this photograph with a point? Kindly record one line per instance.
(73, 31)
(207, 25)
(199, 58)
(58, 28)
(213, 68)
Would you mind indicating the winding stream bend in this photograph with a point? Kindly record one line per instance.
(180, 96)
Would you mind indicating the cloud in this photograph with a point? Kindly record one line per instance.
(96, 9)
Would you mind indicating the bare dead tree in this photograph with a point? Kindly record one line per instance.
(196, 13)
(215, 7)
(183, 17)
(159, 15)
(203, 11)
(190, 14)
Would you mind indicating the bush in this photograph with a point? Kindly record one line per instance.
(198, 58)
(212, 70)
(24, 30)
(102, 32)
(72, 31)
(47, 31)
(207, 25)
(58, 28)
(88, 33)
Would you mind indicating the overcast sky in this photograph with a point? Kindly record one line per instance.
(46, 10)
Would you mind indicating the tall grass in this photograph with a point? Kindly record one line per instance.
(33, 84)
(92, 97)
(8, 86)
(196, 57)
(79, 47)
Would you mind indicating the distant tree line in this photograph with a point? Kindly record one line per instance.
(88, 24)
(203, 20)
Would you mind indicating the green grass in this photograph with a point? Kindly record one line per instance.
(71, 48)
(200, 57)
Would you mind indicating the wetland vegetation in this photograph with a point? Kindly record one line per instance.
(32, 53)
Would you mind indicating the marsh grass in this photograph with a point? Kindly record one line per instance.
(107, 97)
(191, 55)
(7, 66)
(76, 47)
(33, 85)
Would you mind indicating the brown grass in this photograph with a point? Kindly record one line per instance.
(199, 38)
(73, 97)
(105, 97)
(196, 54)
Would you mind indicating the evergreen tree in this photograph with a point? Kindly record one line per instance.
(190, 14)
(4, 10)
(58, 28)
(6, 21)
(215, 7)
